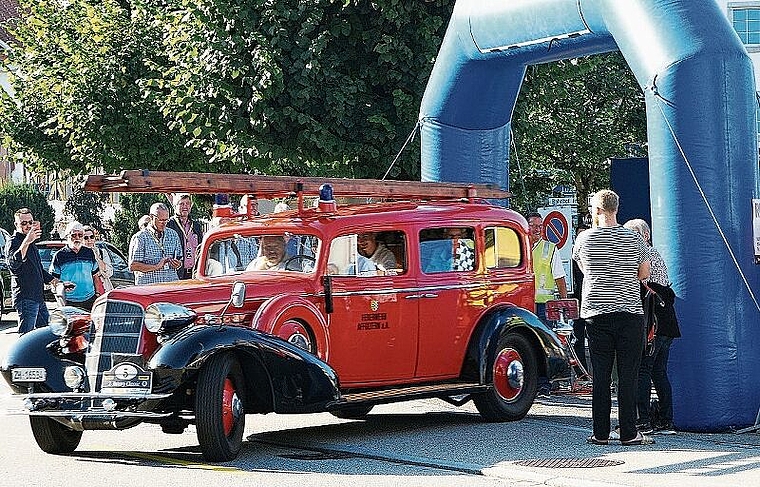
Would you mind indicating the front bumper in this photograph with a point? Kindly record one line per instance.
(96, 406)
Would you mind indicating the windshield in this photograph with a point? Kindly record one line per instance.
(272, 252)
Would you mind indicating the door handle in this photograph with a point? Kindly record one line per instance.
(429, 295)
(412, 296)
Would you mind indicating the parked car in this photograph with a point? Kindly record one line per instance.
(122, 276)
(321, 329)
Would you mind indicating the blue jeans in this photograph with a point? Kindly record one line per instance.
(654, 370)
(610, 336)
(31, 314)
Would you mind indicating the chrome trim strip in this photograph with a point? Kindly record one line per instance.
(100, 413)
(92, 395)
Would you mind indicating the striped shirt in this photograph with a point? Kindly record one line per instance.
(610, 258)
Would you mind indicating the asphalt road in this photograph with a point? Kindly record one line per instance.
(419, 443)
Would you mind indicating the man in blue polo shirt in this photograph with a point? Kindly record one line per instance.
(75, 263)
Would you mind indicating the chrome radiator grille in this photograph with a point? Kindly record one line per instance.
(116, 329)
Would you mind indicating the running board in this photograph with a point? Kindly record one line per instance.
(384, 396)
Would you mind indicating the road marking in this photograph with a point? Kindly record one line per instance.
(177, 461)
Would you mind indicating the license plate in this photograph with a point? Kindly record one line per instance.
(127, 377)
(29, 374)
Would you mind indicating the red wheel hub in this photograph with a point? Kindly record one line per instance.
(231, 407)
(508, 374)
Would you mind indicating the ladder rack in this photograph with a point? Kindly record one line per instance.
(143, 181)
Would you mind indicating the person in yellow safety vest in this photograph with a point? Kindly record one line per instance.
(547, 267)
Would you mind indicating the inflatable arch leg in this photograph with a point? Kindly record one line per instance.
(700, 97)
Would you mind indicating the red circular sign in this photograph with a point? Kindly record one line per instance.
(556, 229)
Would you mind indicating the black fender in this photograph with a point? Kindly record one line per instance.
(37, 348)
(281, 377)
(552, 358)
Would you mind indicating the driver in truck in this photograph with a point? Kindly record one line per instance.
(272, 256)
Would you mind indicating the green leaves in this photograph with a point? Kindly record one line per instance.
(571, 117)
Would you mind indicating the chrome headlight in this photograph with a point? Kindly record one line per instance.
(163, 317)
(73, 376)
(69, 320)
(59, 323)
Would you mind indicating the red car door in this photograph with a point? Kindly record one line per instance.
(373, 328)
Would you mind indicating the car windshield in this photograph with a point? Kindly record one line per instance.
(274, 252)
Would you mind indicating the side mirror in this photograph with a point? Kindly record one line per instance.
(238, 294)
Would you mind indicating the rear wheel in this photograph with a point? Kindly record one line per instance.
(53, 437)
(514, 375)
(353, 412)
(219, 410)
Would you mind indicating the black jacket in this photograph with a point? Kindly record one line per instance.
(27, 275)
(664, 309)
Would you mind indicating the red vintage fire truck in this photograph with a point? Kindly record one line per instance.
(427, 292)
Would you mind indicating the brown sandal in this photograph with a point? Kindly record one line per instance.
(639, 439)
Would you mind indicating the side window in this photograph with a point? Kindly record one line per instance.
(503, 249)
(368, 254)
(116, 260)
(447, 249)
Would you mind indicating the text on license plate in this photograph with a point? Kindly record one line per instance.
(28, 374)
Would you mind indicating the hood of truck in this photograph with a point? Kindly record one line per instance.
(210, 295)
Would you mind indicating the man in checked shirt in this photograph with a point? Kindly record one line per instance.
(156, 252)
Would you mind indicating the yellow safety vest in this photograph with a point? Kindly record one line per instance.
(542, 269)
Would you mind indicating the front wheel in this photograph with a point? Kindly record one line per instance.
(514, 375)
(53, 437)
(219, 410)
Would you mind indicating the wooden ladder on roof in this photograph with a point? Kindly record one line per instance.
(143, 181)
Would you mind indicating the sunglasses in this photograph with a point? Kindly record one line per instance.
(76, 235)
(89, 237)
(24, 223)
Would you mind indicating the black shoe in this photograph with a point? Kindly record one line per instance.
(544, 391)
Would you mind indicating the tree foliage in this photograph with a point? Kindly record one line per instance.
(86, 208)
(571, 117)
(324, 87)
(133, 206)
(77, 102)
(16, 196)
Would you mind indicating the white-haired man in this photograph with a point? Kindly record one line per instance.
(76, 264)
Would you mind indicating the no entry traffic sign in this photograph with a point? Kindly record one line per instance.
(556, 229)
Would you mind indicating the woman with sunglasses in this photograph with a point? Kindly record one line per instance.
(76, 264)
(101, 257)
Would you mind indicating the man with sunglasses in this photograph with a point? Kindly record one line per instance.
(28, 277)
(75, 263)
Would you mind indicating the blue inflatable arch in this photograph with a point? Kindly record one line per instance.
(700, 100)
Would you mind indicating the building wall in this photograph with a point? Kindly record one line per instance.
(744, 15)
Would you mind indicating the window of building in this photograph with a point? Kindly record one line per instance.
(746, 22)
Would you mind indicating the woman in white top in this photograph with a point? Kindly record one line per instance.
(102, 258)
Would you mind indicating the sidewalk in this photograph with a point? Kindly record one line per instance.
(688, 459)
(548, 447)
